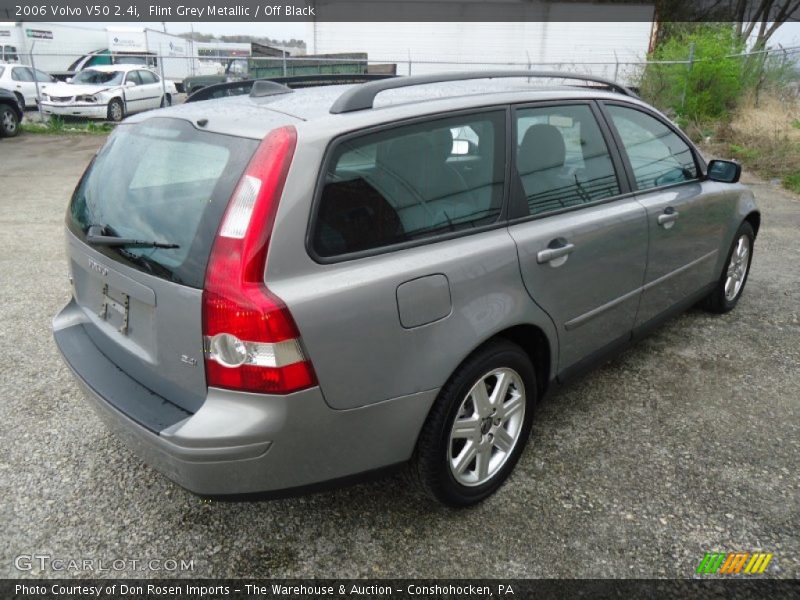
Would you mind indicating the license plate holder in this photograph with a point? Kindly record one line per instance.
(122, 308)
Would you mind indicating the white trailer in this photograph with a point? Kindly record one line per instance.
(547, 39)
(51, 47)
(172, 56)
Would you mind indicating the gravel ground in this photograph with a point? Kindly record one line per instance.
(686, 443)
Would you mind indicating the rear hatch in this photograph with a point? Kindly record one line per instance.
(162, 181)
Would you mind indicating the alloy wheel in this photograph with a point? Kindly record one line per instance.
(9, 123)
(737, 268)
(487, 427)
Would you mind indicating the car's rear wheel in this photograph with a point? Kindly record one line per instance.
(9, 122)
(116, 111)
(166, 100)
(731, 283)
(478, 426)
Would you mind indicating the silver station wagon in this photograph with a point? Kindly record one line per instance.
(293, 287)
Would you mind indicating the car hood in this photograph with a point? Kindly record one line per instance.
(73, 89)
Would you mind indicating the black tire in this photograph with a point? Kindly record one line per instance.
(20, 101)
(9, 121)
(166, 100)
(116, 111)
(430, 465)
(717, 301)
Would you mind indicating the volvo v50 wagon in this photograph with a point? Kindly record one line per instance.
(294, 287)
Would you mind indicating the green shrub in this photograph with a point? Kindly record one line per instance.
(708, 89)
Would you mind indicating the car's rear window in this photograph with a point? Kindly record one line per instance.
(164, 181)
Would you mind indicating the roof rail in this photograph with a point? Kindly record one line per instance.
(363, 96)
(246, 86)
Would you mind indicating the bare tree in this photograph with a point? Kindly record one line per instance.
(762, 18)
(752, 19)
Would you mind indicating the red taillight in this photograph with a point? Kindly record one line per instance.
(251, 341)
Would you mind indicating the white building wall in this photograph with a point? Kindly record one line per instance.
(546, 44)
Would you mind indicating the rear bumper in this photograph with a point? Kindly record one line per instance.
(240, 443)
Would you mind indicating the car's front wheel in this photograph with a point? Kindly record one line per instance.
(731, 283)
(478, 426)
(9, 121)
(115, 110)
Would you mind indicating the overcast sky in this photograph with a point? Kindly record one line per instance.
(787, 35)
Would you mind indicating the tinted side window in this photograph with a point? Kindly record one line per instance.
(21, 74)
(411, 183)
(657, 154)
(134, 77)
(147, 77)
(43, 77)
(562, 158)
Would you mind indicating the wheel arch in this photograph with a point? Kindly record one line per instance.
(754, 218)
(534, 342)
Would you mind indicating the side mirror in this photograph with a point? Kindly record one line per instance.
(130, 84)
(725, 171)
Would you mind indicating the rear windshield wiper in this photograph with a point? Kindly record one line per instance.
(96, 235)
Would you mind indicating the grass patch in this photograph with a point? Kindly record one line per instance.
(58, 126)
(743, 153)
(765, 137)
(792, 182)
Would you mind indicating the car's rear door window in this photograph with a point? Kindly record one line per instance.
(147, 77)
(41, 76)
(657, 155)
(161, 180)
(562, 158)
(133, 77)
(411, 183)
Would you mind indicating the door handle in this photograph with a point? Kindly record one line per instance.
(552, 253)
(669, 216)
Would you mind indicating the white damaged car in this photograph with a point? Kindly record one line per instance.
(108, 92)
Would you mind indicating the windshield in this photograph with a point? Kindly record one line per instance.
(94, 77)
(163, 181)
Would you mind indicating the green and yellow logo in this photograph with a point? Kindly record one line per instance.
(733, 563)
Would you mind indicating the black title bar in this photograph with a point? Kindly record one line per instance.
(394, 10)
(391, 589)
